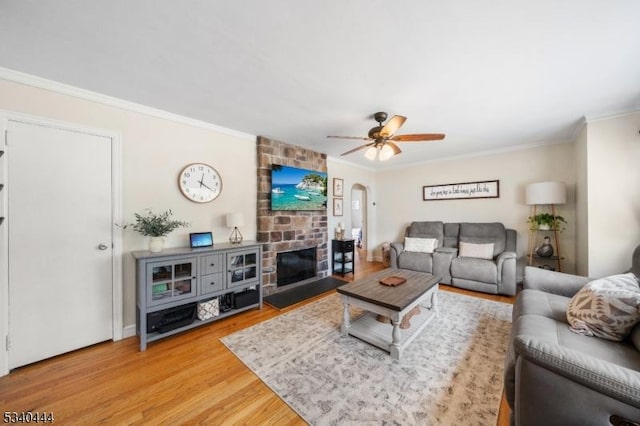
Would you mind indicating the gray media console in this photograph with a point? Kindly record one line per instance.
(172, 284)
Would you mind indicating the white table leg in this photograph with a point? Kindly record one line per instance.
(434, 302)
(395, 349)
(346, 316)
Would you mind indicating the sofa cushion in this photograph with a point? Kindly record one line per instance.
(485, 233)
(608, 307)
(433, 229)
(421, 262)
(451, 231)
(471, 268)
(420, 245)
(555, 334)
(558, 333)
(480, 251)
(534, 302)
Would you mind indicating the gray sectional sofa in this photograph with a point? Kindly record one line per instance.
(556, 377)
(495, 273)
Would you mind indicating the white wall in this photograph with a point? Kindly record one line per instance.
(399, 193)
(613, 158)
(582, 204)
(154, 151)
(352, 175)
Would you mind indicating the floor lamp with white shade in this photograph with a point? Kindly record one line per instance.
(551, 194)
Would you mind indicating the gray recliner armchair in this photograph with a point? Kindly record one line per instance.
(556, 377)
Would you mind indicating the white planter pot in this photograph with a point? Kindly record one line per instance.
(156, 244)
(543, 227)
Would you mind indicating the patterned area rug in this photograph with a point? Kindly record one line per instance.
(449, 375)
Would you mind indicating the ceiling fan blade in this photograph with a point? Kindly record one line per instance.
(396, 148)
(362, 138)
(392, 125)
(358, 148)
(418, 137)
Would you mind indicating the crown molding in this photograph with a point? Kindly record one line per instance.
(65, 89)
(349, 163)
(593, 119)
(477, 154)
(576, 130)
(586, 120)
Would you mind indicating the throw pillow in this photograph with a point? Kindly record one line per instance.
(480, 251)
(608, 308)
(420, 245)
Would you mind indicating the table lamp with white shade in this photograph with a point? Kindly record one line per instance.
(233, 221)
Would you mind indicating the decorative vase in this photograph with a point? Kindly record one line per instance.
(546, 249)
(156, 244)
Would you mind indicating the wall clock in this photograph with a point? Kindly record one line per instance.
(200, 183)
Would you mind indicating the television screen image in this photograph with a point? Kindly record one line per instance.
(298, 189)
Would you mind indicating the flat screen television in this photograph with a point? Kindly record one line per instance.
(297, 189)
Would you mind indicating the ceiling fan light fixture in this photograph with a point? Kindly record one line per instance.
(381, 140)
(371, 153)
(386, 152)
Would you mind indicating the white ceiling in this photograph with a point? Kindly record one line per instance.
(490, 74)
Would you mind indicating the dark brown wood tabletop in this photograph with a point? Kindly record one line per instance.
(397, 298)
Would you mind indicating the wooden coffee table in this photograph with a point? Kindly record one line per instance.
(391, 302)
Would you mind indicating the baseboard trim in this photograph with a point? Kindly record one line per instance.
(128, 331)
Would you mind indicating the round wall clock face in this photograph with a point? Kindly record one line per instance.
(200, 183)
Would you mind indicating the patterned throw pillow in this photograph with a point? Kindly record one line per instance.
(480, 251)
(607, 308)
(420, 245)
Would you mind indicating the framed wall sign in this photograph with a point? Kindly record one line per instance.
(462, 191)
(338, 187)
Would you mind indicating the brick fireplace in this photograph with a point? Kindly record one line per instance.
(284, 231)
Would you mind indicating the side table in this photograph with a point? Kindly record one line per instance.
(342, 256)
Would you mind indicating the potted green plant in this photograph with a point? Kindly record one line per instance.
(157, 226)
(546, 221)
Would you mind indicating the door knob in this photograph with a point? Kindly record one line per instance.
(103, 246)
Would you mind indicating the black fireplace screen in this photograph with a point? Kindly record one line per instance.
(294, 266)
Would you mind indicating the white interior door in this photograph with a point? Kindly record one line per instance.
(60, 241)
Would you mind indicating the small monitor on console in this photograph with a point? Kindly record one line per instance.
(201, 239)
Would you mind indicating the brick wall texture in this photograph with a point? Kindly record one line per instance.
(287, 230)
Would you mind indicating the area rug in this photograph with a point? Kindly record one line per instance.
(449, 375)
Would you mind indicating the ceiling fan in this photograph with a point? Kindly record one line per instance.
(383, 138)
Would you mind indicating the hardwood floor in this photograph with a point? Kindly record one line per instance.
(190, 378)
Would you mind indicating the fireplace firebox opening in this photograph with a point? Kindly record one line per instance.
(296, 265)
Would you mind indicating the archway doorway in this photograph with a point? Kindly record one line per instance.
(359, 217)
